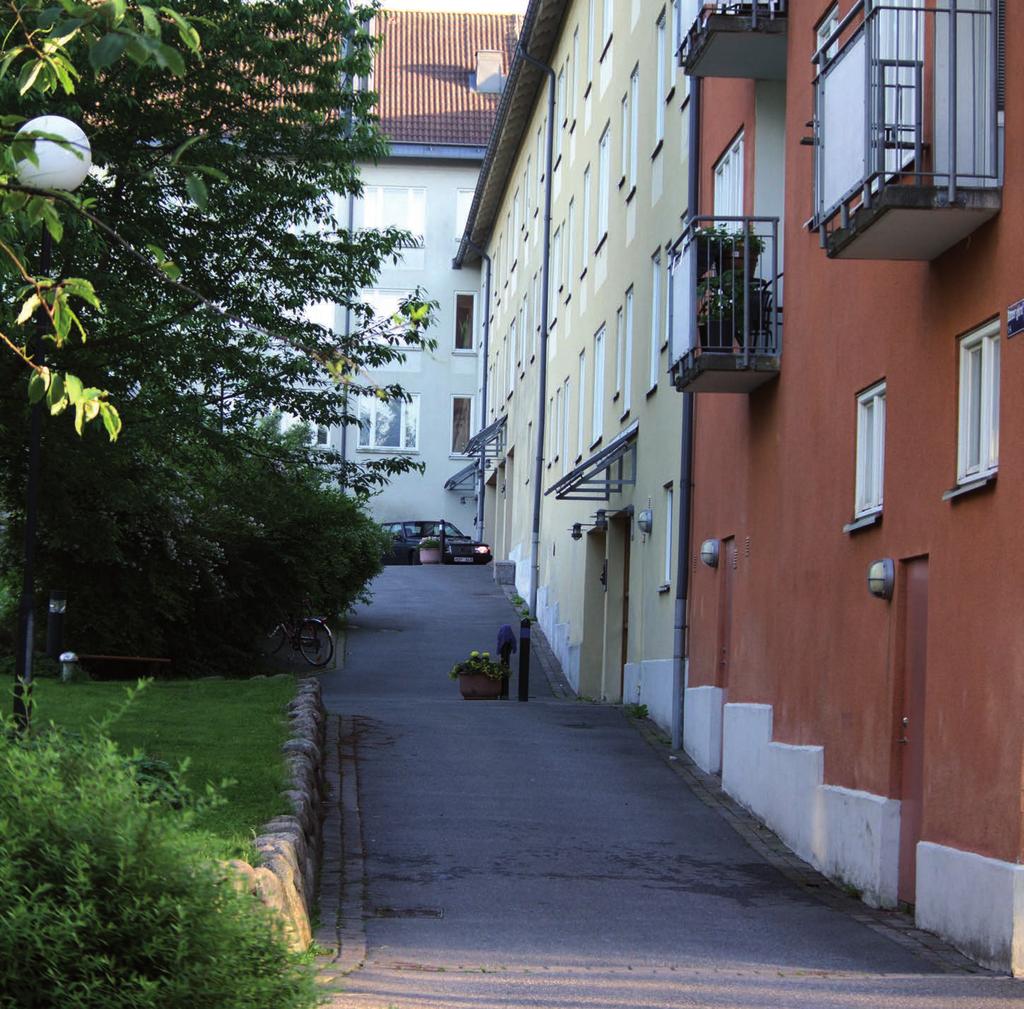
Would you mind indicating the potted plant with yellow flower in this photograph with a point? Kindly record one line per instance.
(480, 677)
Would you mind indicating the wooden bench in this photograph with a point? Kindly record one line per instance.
(123, 667)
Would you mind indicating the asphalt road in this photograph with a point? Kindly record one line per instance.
(543, 855)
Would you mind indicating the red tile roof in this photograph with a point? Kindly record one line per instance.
(424, 75)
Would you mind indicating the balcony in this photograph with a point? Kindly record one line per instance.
(907, 128)
(737, 39)
(726, 305)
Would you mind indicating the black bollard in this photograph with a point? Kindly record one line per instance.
(524, 659)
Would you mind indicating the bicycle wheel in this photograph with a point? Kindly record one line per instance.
(276, 639)
(316, 642)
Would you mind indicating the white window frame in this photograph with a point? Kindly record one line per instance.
(870, 476)
(586, 217)
(554, 407)
(728, 176)
(570, 246)
(607, 23)
(574, 94)
(620, 338)
(471, 349)
(590, 40)
(626, 139)
(655, 317)
(581, 409)
(979, 406)
(669, 533)
(597, 406)
(634, 126)
(372, 405)
(416, 223)
(825, 27)
(536, 314)
(661, 89)
(560, 117)
(510, 350)
(527, 188)
(627, 376)
(463, 205)
(565, 425)
(603, 188)
(555, 267)
(451, 438)
(322, 436)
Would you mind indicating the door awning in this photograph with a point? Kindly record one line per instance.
(606, 472)
(463, 482)
(490, 441)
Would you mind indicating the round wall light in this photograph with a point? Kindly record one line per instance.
(882, 578)
(645, 521)
(58, 165)
(709, 553)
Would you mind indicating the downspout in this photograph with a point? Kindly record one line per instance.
(680, 642)
(482, 465)
(542, 375)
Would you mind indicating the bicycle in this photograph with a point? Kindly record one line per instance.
(310, 637)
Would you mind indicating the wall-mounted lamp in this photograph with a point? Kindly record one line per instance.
(600, 519)
(645, 521)
(709, 553)
(577, 531)
(882, 578)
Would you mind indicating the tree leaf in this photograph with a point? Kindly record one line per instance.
(74, 388)
(108, 50)
(38, 383)
(197, 190)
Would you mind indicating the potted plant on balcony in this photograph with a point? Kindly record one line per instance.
(480, 677)
(723, 257)
(430, 550)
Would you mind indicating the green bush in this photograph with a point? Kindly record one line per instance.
(105, 901)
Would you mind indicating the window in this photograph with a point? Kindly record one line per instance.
(627, 369)
(729, 181)
(597, 407)
(559, 113)
(978, 450)
(463, 202)
(397, 207)
(634, 124)
(536, 312)
(527, 188)
(570, 245)
(565, 426)
(620, 336)
(660, 89)
(575, 92)
(510, 242)
(826, 26)
(394, 424)
(540, 171)
(655, 317)
(554, 405)
(555, 266)
(585, 257)
(590, 38)
(465, 310)
(603, 155)
(870, 450)
(668, 534)
(384, 305)
(581, 413)
(608, 21)
(462, 413)
(323, 436)
(517, 219)
(512, 344)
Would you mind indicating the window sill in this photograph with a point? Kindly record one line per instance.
(578, 459)
(631, 194)
(624, 416)
(596, 442)
(622, 182)
(615, 397)
(587, 90)
(864, 522)
(572, 128)
(464, 352)
(390, 450)
(663, 347)
(657, 148)
(664, 587)
(971, 487)
(600, 245)
(558, 161)
(568, 298)
(533, 357)
(671, 94)
(583, 274)
(653, 389)
(607, 46)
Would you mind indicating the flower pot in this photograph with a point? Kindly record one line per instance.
(479, 687)
(430, 555)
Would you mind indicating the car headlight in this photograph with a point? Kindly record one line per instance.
(481, 549)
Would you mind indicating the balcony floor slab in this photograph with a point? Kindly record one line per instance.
(729, 46)
(711, 372)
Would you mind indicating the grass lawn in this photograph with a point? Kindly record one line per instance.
(225, 728)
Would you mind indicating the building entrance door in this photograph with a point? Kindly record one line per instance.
(624, 656)
(910, 720)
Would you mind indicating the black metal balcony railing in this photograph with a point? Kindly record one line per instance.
(737, 38)
(726, 307)
(907, 118)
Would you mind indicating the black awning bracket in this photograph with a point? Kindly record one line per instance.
(490, 441)
(606, 472)
(463, 482)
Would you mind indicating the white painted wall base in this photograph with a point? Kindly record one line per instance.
(702, 727)
(650, 682)
(974, 902)
(557, 634)
(850, 836)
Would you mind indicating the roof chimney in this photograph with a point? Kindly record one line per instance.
(489, 79)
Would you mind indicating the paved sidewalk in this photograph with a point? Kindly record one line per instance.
(548, 854)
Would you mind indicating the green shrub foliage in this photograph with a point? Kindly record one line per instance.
(105, 902)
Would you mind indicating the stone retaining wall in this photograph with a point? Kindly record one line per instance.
(290, 846)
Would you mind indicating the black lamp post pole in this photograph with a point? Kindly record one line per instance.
(25, 638)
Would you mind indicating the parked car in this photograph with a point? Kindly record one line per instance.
(458, 547)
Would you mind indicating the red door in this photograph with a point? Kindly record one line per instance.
(910, 721)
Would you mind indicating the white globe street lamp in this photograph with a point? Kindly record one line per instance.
(60, 166)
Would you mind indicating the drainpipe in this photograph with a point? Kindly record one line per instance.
(680, 643)
(542, 375)
(482, 475)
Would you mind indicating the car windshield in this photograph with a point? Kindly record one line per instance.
(434, 529)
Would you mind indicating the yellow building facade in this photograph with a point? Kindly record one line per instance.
(603, 416)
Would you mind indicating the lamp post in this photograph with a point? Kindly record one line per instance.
(61, 166)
